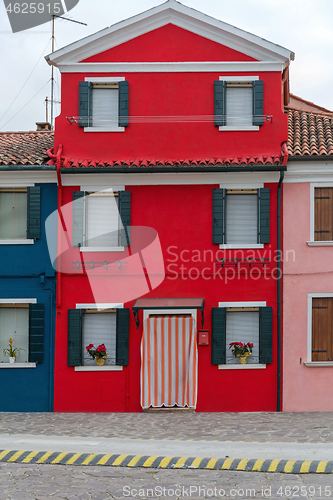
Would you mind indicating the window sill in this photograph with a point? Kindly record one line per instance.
(252, 128)
(240, 247)
(17, 365)
(250, 366)
(17, 242)
(320, 243)
(104, 129)
(111, 368)
(318, 364)
(102, 249)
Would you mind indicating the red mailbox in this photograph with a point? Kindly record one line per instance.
(203, 337)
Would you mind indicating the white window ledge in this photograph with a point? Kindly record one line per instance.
(17, 242)
(110, 368)
(250, 366)
(318, 364)
(102, 249)
(252, 128)
(320, 243)
(104, 129)
(226, 246)
(17, 365)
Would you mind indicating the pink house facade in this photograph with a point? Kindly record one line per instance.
(308, 263)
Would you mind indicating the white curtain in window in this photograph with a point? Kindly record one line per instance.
(105, 107)
(102, 221)
(242, 326)
(13, 215)
(99, 328)
(14, 323)
(239, 106)
(242, 219)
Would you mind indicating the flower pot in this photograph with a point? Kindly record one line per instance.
(100, 361)
(243, 358)
(11, 359)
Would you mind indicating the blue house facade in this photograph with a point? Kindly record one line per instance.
(28, 195)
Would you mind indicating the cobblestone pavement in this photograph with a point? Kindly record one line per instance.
(307, 427)
(41, 482)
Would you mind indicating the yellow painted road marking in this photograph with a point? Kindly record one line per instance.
(44, 457)
(134, 461)
(104, 459)
(242, 464)
(211, 463)
(119, 459)
(89, 459)
(289, 466)
(15, 456)
(196, 462)
(149, 461)
(4, 453)
(59, 457)
(305, 466)
(227, 463)
(165, 462)
(258, 464)
(73, 458)
(321, 466)
(29, 457)
(180, 462)
(273, 466)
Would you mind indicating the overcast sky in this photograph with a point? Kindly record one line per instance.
(303, 26)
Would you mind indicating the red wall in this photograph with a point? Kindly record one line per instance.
(182, 217)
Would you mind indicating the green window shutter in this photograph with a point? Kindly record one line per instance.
(33, 213)
(219, 213)
(36, 333)
(122, 337)
(219, 103)
(125, 215)
(258, 102)
(74, 353)
(85, 104)
(123, 104)
(265, 334)
(78, 217)
(264, 215)
(218, 335)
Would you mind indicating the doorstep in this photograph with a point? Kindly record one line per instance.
(163, 409)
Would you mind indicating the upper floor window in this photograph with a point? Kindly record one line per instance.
(323, 214)
(103, 104)
(19, 215)
(238, 103)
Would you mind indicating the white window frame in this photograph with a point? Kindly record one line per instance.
(239, 79)
(106, 79)
(100, 308)
(99, 189)
(173, 312)
(231, 246)
(312, 242)
(309, 363)
(18, 241)
(252, 366)
(18, 365)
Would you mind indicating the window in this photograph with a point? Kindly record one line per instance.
(322, 329)
(19, 214)
(323, 214)
(103, 104)
(93, 326)
(101, 220)
(241, 322)
(238, 103)
(241, 217)
(24, 323)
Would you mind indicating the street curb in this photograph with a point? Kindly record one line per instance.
(235, 464)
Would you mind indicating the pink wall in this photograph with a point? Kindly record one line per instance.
(304, 388)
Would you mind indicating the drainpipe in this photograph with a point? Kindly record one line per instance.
(58, 164)
(279, 280)
(51, 340)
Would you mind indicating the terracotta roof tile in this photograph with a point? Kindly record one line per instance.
(309, 133)
(25, 148)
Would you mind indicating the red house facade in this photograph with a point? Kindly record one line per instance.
(170, 153)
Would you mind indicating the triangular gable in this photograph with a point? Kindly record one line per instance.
(171, 12)
(169, 43)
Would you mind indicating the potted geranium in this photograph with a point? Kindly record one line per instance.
(241, 350)
(12, 351)
(99, 353)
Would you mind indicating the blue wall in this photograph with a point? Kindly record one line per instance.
(21, 268)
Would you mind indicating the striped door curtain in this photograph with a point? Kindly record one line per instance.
(169, 362)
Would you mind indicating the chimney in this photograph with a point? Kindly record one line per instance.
(43, 126)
